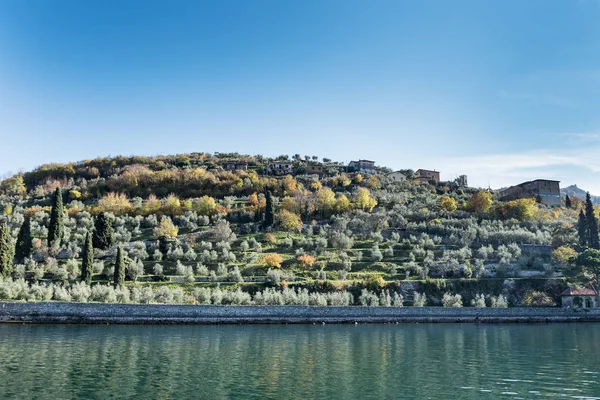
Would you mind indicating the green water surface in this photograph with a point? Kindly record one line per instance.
(419, 361)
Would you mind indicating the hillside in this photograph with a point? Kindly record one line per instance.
(574, 191)
(193, 225)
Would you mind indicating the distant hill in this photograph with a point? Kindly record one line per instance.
(574, 191)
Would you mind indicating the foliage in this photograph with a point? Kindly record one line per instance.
(363, 200)
(119, 274)
(448, 204)
(306, 260)
(450, 300)
(563, 254)
(165, 229)
(521, 209)
(6, 250)
(24, 244)
(272, 260)
(533, 298)
(480, 201)
(288, 220)
(103, 235)
(56, 227)
(87, 260)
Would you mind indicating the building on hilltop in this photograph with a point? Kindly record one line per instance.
(580, 298)
(544, 190)
(365, 166)
(461, 181)
(397, 176)
(315, 168)
(426, 175)
(279, 168)
(236, 165)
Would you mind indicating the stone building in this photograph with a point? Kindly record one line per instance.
(580, 298)
(365, 166)
(546, 191)
(426, 175)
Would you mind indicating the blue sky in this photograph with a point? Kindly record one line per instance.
(502, 91)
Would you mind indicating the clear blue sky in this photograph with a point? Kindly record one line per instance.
(502, 91)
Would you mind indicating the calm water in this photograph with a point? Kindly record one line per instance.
(305, 362)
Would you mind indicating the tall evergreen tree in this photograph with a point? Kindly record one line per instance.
(103, 236)
(87, 262)
(269, 209)
(582, 229)
(119, 278)
(567, 201)
(24, 245)
(592, 223)
(56, 228)
(7, 251)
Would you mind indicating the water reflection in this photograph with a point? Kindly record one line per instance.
(305, 361)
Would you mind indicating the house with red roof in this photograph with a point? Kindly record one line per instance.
(580, 298)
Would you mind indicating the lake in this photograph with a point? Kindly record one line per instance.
(410, 361)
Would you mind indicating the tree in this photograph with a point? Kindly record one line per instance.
(269, 209)
(87, 262)
(563, 254)
(166, 228)
(586, 267)
(273, 260)
(592, 223)
(582, 229)
(119, 278)
(363, 200)
(56, 228)
(567, 201)
(480, 202)
(7, 251)
(24, 244)
(103, 236)
(448, 204)
(306, 260)
(289, 221)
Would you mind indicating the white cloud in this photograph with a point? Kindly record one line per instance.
(499, 170)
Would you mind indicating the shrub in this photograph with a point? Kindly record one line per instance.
(499, 302)
(478, 301)
(306, 261)
(534, 298)
(452, 300)
(274, 277)
(272, 260)
(420, 299)
(235, 275)
(375, 282)
(270, 238)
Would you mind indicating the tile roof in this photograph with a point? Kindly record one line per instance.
(579, 292)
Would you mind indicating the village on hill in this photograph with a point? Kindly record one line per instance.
(226, 228)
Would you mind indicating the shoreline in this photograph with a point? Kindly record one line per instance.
(103, 313)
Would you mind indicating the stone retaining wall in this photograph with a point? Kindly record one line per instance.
(97, 313)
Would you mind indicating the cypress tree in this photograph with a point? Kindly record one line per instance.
(119, 278)
(567, 201)
(56, 228)
(592, 223)
(24, 245)
(87, 262)
(103, 236)
(582, 229)
(7, 251)
(269, 209)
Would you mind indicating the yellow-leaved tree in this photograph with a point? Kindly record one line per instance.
(272, 260)
(166, 228)
(288, 221)
(448, 204)
(363, 200)
(480, 202)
